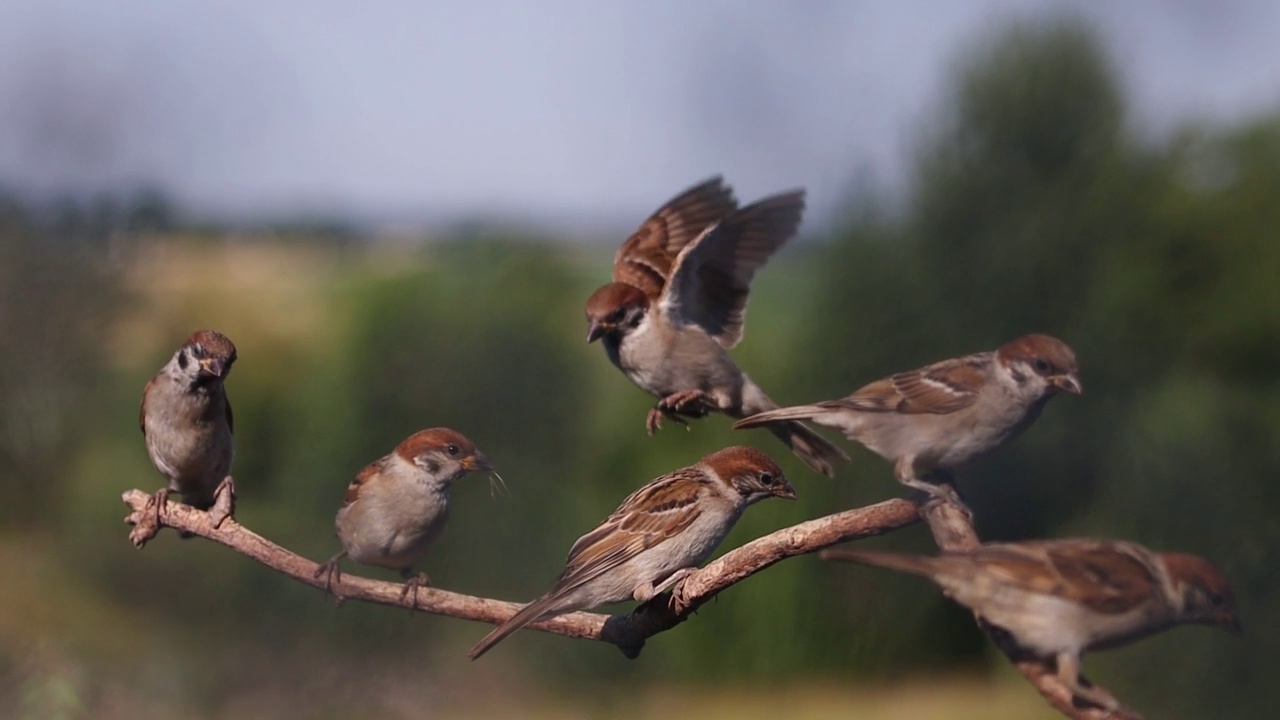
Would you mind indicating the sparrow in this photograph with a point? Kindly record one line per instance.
(658, 536)
(1059, 598)
(678, 302)
(931, 420)
(186, 423)
(397, 506)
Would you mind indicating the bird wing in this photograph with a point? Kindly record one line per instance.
(1104, 576)
(649, 517)
(711, 280)
(941, 388)
(142, 407)
(353, 488)
(646, 258)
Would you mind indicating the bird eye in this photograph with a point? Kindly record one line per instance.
(1217, 599)
(452, 449)
(1041, 365)
(766, 478)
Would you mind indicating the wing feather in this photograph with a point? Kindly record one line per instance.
(711, 280)
(142, 407)
(941, 388)
(649, 517)
(646, 258)
(1105, 576)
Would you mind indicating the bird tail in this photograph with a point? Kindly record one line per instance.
(809, 446)
(534, 611)
(914, 564)
(796, 412)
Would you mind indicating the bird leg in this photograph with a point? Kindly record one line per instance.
(147, 521)
(331, 574)
(1069, 674)
(224, 502)
(679, 600)
(689, 403)
(676, 577)
(647, 594)
(411, 584)
(905, 474)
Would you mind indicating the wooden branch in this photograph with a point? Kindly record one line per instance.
(627, 631)
(953, 531)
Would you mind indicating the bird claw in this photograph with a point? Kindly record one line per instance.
(939, 493)
(680, 600)
(947, 496)
(1083, 690)
(689, 403)
(224, 502)
(331, 573)
(653, 423)
(692, 403)
(146, 522)
(411, 585)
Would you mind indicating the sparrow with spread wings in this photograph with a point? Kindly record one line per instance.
(678, 302)
(1059, 598)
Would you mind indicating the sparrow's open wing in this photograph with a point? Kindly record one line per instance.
(645, 259)
(711, 279)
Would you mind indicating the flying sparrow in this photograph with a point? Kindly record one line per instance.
(186, 422)
(397, 506)
(656, 538)
(941, 416)
(678, 302)
(1059, 598)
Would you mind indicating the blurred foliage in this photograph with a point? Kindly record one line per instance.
(59, 294)
(1033, 207)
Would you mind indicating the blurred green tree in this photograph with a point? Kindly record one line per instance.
(1033, 210)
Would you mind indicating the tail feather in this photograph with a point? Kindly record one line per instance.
(809, 446)
(796, 412)
(534, 611)
(914, 564)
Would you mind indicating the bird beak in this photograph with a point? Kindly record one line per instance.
(595, 330)
(477, 463)
(785, 491)
(1067, 383)
(1231, 622)
(213, 367)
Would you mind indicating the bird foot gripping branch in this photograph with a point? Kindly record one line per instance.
(153, 514)
(224, 502)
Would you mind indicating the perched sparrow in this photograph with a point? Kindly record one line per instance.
(186, 421)
(1059, 598)
(943, 415)
(657, 537)
(678, 301)
(398, 505)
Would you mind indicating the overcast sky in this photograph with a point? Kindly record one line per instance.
(566, 111)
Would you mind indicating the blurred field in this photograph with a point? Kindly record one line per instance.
(1033, 208)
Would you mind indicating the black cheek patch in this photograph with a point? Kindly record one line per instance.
(182, 359)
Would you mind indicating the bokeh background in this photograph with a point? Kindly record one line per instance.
(396, 212)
